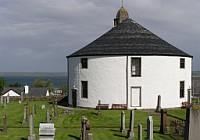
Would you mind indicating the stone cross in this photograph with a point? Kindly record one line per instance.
(1, 99)
(149, 128)
(48, 115)
(25, 117)
(130, 134)
(4, 123)
(140, 132)
(163, 120)
(122, 129)
(158, 108)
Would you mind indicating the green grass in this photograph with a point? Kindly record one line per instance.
(68, 126)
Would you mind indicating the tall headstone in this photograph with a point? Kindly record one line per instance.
(22, 96)
(31, 127)
(189, 96)
(8, 98)
(1, 99)
(140, 132)
(25, 116)
(56, 108)
(130, 134)
(4, 123)
(163, 120)
(122, 129)
(48, 115)
(53, 111)
(149, 128)
(99, 107)
(4, 102)
(83, 135)
(158, 108)
(34, 110)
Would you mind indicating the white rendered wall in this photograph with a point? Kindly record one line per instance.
(160, 75)
(109, 81)
(106, 78)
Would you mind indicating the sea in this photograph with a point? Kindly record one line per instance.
(26, 78)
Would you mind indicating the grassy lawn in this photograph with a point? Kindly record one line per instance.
(68, 126)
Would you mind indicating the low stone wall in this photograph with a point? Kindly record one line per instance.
(38, 98)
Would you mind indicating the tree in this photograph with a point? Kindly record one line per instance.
(41, 83)
(2, 84)
(64, 89)
(15, 85)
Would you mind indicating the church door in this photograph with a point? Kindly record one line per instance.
(74, 98)
(135, 97)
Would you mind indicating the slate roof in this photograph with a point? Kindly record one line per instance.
(33, 91)
(129, 38)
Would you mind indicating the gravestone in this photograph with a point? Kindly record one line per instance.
(46, 131)
(149, 128)
(1, 99)
(53, 111)
(130, 134)
(56, 108)
(192, 125)
(158, 108)
(31, 127)
(25, 116)
(34, 110)
(122, 129)
(163, 120)
(139, 132)
(99, 107)
(22, 96)
(4, 123)
(43, 107)
(8, 98)
(48, 115)
(90, 136)
(84, 121)
(4, 102)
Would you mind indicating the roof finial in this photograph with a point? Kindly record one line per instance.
(122, 3)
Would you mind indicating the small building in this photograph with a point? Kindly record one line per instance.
(128, 65)
(26, 90)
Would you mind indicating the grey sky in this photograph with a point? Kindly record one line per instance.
(37, 35)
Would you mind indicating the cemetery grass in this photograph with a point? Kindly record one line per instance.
(68, 126)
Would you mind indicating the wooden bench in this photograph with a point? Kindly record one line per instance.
(102, 106)
(119, 107)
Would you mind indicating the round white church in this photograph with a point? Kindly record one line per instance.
(128, 65)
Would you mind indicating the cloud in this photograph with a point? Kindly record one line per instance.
(38, 35)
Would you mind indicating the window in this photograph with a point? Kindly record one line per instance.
(84, 63)
(84, 89)
(182, 89)
(182, 63)
(136, 66)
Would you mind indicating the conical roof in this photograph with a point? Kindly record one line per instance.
(129, 38)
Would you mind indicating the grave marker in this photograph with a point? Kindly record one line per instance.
(130, 134)
(122, 129)
(158, 108)
(149, 128)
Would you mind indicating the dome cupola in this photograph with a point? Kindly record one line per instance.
(121, 15)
